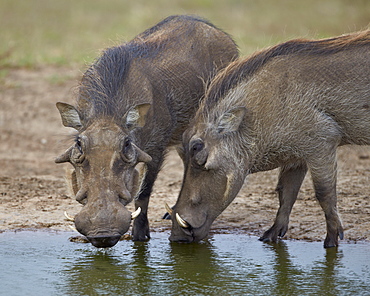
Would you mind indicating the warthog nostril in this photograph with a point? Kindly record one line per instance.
(104, 241)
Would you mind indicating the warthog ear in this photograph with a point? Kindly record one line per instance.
(135, 117)
(70, 116)
(231, 120)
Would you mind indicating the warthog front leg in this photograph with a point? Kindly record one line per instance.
(290, 181)
(140, 229)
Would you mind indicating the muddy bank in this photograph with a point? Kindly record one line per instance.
(33, 191)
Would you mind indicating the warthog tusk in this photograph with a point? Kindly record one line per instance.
(169, 210)
(69, 218)
(73, 228)
(136, 213)
(181, 221)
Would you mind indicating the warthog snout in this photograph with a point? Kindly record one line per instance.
(103, 225)
(101, 229)
(184, 232)
(103, 241)
(191, 225)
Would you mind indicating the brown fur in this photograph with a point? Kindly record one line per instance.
(241, 69)
(289, 106)
(134, 102)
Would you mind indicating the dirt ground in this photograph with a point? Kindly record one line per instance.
(33, 191)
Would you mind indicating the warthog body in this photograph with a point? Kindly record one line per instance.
(290, 107)
(134, 102)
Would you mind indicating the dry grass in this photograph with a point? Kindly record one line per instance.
(68, 32)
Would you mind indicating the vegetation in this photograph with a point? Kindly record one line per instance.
(51, 32)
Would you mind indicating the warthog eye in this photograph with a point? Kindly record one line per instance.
(126, 145)
(128, 153)
(79, 144)
(198, 153)
(196, 147)
(77, 155)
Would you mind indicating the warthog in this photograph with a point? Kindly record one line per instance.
(132, 103)
(289, 106)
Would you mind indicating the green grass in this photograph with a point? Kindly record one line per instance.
(72, 32)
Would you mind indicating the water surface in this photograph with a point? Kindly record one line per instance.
(46, 263)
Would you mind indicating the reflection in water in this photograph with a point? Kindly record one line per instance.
(320, 281)
(227, 265)
(285, 273)
(327, 276)
(95, 273)
(223, 265)
(195, 268)
(142, 270)
(101, 272)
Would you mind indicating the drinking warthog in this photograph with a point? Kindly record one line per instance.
(134, 102)
(289, 106)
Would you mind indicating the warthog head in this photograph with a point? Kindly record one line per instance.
(105, 179)
(214, 173)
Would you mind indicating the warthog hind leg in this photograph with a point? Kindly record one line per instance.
(326, 195)
(324, 179)
(290, 181)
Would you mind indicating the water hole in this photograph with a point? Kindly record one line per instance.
(47, 263)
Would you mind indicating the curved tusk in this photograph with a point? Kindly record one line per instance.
(181, 221)
(69, 218)
(136, 213)
(168, 209)
(73, 228)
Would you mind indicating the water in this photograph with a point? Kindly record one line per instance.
(46, 263)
